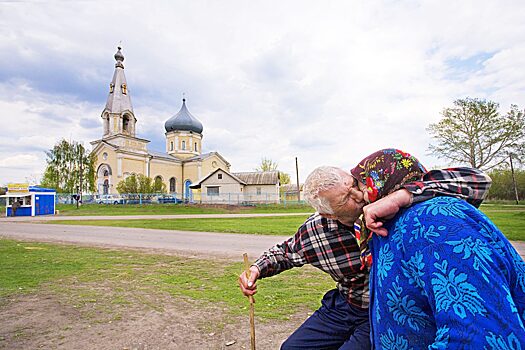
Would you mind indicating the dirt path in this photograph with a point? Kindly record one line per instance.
(202, 244)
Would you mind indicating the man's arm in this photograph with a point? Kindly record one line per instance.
(277, 259)
(469, 184)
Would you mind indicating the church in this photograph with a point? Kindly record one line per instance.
(121, 153)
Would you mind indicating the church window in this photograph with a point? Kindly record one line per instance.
(106, 124)
(104, 156)
(106, 173)
(124, 89)
(171, 146)
(157, 184)
(212, 190)
(183, 145)
(219, 176)
(111, 88)
(125, 123)
(173, 184)
(195, 146)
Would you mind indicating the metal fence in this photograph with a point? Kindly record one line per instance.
(177, 198)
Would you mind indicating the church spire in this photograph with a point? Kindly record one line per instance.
(118, 98)
(118, 114)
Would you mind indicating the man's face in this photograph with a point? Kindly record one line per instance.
(346, 200)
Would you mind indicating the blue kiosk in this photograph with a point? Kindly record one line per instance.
(32, 200)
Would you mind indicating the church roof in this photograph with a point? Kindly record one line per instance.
(183, 121)
(118, 98)
(259, 177)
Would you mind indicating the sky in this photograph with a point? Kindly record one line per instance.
(328, 82)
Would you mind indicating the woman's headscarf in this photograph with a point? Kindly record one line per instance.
(383, 172)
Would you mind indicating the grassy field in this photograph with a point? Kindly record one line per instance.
(111, 277)
(278, 225)
(174, 209)
(510, 220)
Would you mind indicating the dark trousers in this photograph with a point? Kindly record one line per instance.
(335, 325)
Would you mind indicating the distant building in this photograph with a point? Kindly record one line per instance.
(121, 153)
(289, 192)
(239, 188)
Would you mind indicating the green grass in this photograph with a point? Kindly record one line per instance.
(178, 209)
(509, 219)
(277, 225)
(84, 276)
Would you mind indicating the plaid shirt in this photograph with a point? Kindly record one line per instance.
(466, 183)
(332, 247)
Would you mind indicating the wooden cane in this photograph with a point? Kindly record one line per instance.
(252, 302)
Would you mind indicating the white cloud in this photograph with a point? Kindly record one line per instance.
(324, 82)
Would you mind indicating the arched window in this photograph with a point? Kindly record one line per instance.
(125, 123)
(183, 145)
(158, 184)
(195, 146)
(106, 124)
(171, 146)
(173, 184)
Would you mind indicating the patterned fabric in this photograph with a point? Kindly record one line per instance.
(328, 245)
(383, 172)
(386, 171)
(446, 278)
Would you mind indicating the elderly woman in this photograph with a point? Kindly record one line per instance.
(445, 277)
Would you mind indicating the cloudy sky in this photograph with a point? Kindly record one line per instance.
(327, 82)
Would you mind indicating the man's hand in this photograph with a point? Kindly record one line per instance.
(385, 209)
(248, 286)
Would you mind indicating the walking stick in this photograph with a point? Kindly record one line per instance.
(252, 302)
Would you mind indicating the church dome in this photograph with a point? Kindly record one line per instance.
(183, 121)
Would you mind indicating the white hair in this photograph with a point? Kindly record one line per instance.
(322, 179)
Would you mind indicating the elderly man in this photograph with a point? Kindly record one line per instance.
(327, 241)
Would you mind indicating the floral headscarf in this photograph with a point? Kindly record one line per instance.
(383, 172)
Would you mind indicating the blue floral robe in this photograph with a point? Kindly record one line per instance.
(446, 278)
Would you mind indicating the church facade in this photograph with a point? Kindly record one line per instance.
(121, 153)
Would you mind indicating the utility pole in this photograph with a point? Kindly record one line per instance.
(514, 179)
(298, 186)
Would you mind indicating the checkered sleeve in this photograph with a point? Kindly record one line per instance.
(469, 184)
(283, 256)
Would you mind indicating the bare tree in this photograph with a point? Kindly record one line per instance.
(474, 132)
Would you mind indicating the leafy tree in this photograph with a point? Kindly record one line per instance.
(502, 186)
(473, 131)
(269, 165)
(70, 168)
(141, 184)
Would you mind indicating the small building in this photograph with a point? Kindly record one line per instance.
(32, 200)
(289, 192)
(223, 187)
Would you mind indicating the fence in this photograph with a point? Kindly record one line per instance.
(177, 198)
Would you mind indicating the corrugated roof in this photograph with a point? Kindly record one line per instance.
(259, 177)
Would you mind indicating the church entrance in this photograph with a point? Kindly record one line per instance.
(188, 195)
